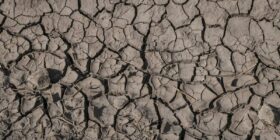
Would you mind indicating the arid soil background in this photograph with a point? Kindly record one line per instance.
(139, 69)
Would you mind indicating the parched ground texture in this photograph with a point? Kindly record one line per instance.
(140, 69)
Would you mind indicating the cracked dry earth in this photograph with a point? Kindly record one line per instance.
(140, 69)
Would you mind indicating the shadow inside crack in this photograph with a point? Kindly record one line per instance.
(55, 75)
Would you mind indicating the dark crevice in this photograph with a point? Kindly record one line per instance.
(143, 49)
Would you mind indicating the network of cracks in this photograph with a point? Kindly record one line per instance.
(140, 69)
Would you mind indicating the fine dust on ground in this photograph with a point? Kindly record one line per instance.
(139, 69)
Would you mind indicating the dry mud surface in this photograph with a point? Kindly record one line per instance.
(139, 69)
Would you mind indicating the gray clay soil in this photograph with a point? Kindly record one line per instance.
(139, 69)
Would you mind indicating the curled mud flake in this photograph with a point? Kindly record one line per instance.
(40, 79)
